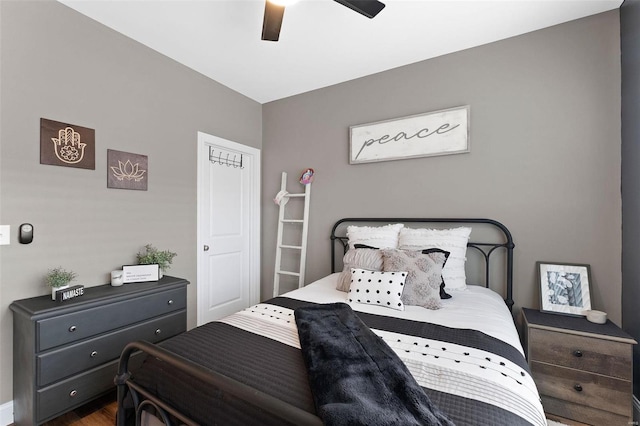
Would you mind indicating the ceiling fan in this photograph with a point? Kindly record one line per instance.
(274, 12)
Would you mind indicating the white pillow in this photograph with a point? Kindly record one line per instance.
(452, 240)
(374, 236)
(377, 288)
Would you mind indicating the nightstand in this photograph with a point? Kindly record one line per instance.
(583, 371)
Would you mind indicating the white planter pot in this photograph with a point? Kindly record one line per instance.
(54, 289)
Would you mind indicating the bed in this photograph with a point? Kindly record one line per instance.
(250, 368)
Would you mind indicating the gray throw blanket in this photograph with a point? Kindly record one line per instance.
(355, 377)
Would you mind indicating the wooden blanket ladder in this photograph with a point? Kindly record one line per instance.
(284, 221)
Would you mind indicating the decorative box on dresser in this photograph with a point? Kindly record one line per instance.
(583, 370)
(66, 353)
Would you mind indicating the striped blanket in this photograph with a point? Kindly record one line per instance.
(474, 379)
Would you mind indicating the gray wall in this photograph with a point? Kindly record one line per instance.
(630, 42)
(58, 64)
(544, 160)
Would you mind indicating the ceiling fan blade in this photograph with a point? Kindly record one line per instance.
(368, 8)
(272, 21)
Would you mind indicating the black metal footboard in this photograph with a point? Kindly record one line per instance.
(143, 399)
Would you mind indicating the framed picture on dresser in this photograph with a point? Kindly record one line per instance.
(564, 288)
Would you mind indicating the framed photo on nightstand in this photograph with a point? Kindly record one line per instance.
(564, 288)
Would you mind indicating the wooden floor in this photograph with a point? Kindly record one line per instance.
(101, 412)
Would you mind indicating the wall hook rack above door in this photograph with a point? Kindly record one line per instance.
(225, 159)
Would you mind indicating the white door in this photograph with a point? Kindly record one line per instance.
(228, 227)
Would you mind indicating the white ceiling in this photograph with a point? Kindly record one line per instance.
(321, 42)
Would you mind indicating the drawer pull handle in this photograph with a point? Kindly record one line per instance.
(578, 387)
(73, 328)
(158, 331)
(73, 393)
(577, 353)
(94, 354)
(170, 302)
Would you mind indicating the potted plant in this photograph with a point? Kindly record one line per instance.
(58, 279)
(152, 255)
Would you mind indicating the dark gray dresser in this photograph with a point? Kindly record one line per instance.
(66, 353)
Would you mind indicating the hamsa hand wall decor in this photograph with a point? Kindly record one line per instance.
(68, 145)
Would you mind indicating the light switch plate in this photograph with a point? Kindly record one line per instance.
(5, 235)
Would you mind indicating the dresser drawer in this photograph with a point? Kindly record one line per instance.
(583, 388)
(64, 362)
(595, 355)
(72, 327)
(68, 394)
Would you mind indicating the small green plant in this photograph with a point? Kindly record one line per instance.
(59, 277)
(152, 255)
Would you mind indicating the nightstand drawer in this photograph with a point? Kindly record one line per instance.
(583, 388)
(583, 353)
(72, 327)
(61, 363)
(582, 413)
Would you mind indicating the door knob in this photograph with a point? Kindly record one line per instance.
(206, 248)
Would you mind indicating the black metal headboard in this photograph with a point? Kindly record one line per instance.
(486, 249)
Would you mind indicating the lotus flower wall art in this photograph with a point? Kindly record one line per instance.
(67, 145)
(126, 170)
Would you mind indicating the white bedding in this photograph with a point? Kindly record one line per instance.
(476, 308)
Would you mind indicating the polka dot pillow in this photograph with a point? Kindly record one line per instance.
(377, 288)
